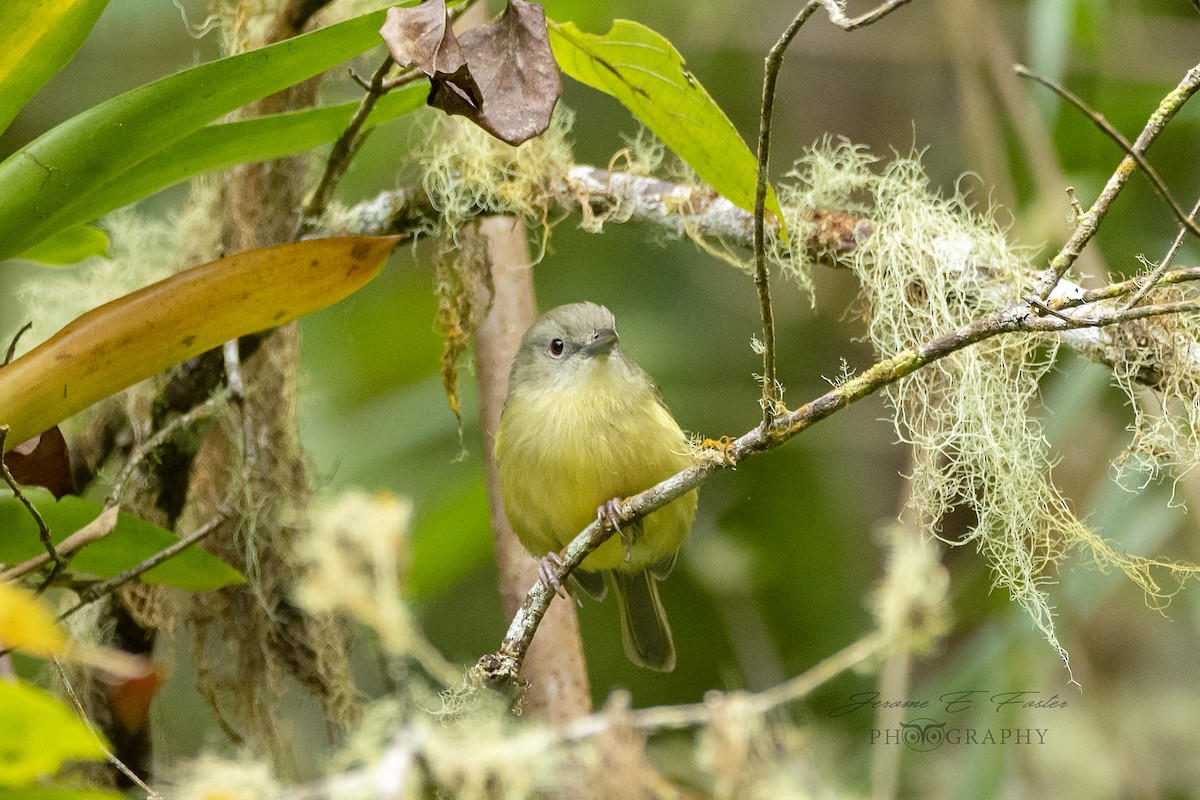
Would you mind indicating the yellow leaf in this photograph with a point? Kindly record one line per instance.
(27, 625)
(37, 38)
(37, 734)
(144, 333)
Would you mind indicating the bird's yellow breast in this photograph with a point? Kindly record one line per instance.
(564, 453)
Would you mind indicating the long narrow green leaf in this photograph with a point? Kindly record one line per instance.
(68, 246)
(223, 145)
(37, 39)
(648, 76)
(40, 183)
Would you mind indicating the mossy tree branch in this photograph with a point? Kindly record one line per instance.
(605, 197)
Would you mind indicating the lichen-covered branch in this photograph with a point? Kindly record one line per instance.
(500, 669)
(677, 209)
(601, 197)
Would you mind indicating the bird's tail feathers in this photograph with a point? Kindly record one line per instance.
(644, 629)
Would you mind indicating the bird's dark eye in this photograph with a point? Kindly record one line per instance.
(556, 347)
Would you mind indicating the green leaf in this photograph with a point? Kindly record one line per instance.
(68, 246)
(38, 733)
(42, 182)
(224, 145)
(58, 793)
(647, 75)
(37, 39)
(131, 542)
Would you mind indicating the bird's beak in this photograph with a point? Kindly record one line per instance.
(603, 341)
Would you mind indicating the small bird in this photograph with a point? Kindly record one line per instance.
(583, 426)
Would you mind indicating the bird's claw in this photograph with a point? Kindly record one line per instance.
(611, 515)
(547, 567)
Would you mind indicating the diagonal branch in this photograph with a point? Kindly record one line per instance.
(95, 530)
(181, 422)
(345, 148)
(1153, 279)
(1089, 222)
(1111, 132)
(500, 670)
(97, 590)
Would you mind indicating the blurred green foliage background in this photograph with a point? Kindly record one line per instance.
(785, 553)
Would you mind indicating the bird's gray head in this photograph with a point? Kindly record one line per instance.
(565, 345)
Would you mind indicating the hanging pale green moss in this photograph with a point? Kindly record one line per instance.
(934, 264)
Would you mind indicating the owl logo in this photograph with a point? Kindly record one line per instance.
(922, 734)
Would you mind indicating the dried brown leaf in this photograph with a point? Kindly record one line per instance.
(511, 61)
(502, 75)
(43, 461)
(421, 36)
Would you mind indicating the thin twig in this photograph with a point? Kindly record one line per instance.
(762, 278)
(839, 18)
(1089, 222)
(762, 275)
(1152, 279)
(95, 530)
(1046, 308)
(12, 347)
(1113, 290)
(108, 754)
(352, 139)
(43, 529)
(691, 715)
(387, 84)
(822, 672)
(345, 148)
(1106, 127)
(1063, 322)
(97, 590)
(185, 420)
(231, 352)
(403, 79)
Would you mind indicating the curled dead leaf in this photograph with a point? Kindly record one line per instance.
(421, 36)
(508, 81)
(43, 461)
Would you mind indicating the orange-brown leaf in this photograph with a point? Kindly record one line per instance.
(144, 333)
